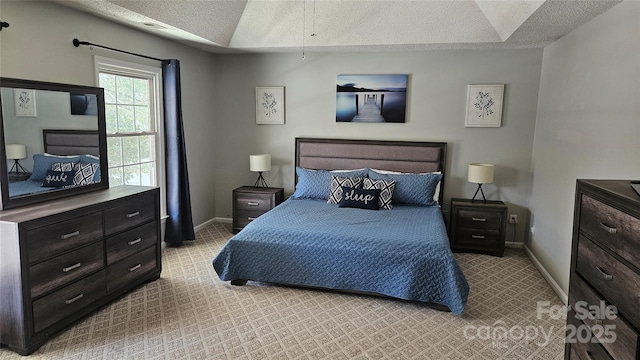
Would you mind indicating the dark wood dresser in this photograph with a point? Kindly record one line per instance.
(250, 202)
(62, 259)
(604, 289)
(478, 226)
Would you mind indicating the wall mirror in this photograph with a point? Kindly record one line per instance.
(53, 141)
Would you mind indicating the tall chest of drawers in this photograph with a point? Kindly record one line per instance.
(63, 259)
(603, 321)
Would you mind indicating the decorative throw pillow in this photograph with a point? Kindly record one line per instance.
(386, 188)
(56, 178)
(43, 162)
(436, 193)
(62, 166)
(337, 182)
(360, 198)
(413, 189)
(314, 184)
(91, 159)
(84, 174)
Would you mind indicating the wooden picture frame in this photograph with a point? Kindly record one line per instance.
(484, 105)
(270, 105)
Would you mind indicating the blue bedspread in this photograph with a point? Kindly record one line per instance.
(27, 187)
(402, 253)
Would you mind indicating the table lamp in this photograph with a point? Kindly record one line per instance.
(480, 174)
(260, 163)
(16, 152)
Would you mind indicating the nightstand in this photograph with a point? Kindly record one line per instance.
(21, 176)
(477, 226)
(250, 202)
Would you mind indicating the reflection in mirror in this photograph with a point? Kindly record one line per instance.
(53, 140)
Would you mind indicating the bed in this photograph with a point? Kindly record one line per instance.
(61, 146)
(400, 252)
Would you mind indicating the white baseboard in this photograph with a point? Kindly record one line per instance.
(513, 244)
(223, 220)
(545, 274)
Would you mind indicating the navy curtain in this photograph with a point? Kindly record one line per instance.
(179, 225)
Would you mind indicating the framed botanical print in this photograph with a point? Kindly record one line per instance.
(270, 105)
(25, 102)
(484, 105)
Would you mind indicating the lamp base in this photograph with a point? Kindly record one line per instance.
(260, 182)
(18, 168)
(482, 192)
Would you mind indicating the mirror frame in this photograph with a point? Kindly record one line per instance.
(10, 203)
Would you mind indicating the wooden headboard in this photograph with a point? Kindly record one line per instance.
(344, 154)
(71, 142)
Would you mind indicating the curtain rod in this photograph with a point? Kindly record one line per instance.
(77, 43)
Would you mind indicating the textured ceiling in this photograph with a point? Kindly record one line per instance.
(223, 26)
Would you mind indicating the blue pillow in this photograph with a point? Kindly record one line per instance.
(360, 198)
(316, 184)
(55, 178)
(42, 163)
(412, 189)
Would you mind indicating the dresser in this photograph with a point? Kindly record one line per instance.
(250, 202)
(478, 226)
(62, 259)
(603, 321)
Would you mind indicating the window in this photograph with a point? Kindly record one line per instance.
(134, 122)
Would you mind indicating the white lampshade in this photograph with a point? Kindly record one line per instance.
(480, 173)
(16, 151)
(259, 163)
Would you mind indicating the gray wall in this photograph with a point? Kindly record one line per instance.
(588, 125)
(38, 46)
(435, 112)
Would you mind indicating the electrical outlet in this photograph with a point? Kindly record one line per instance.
(513, 219)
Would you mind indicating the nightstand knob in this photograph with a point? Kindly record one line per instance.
(477, 236)
(478, 219)
(253, 203)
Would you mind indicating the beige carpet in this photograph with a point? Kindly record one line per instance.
(190, 314)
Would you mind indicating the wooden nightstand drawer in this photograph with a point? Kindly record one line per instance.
(254, 202)
(478, 226)
(476, 219)
(250, 202)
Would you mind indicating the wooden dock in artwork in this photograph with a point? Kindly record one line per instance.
(369, 111)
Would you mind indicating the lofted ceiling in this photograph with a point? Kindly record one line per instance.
(224, 26)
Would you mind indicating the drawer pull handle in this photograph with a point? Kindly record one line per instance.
(477, 236)
(74, 299)
(605, 276)
(69, 268)
(478, 219)
(134, 268)
(70, 235)
(607, 228)
(253, 203)
(250, 218)
(133, 214)
(133, 242)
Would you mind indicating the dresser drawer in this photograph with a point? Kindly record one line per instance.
(254, 202)
(617, 282)
(479, 219)
(65, 268)
(52, 239)
(68, 300)
(135, 211)
(583, 301)
(613, 228)
(583, 345)
(126, 270)
(125, 244)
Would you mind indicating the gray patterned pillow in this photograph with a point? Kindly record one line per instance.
(84, 173)
(386, 190)
(63, 166)
(337, 182)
